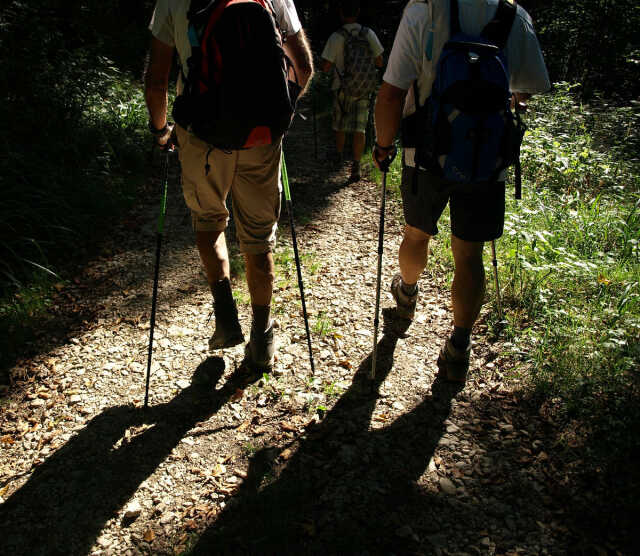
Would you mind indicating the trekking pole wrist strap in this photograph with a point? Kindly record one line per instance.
(158, 132)
(381, 148)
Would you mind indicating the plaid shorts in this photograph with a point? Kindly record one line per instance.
(350, 114)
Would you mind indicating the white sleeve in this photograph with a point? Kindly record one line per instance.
(405, 60)
(374, 43)
(287, 17)
(331, 49)
(161, 25)
(526, 62)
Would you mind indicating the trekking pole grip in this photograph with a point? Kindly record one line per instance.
(387, 157)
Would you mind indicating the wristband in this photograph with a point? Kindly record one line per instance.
(380, 147)
(158, 132)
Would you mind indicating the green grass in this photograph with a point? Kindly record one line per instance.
(62, 190)
(570, 255)
(323, 325)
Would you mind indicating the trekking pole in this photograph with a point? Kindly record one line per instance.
(384, 166)
(154, 298)
(494, 261)
(287, 196)
(315, 131)
(518, 168)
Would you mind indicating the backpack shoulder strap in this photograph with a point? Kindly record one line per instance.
(498, 29)
(199, 7)
(454, 18)
(363, 31)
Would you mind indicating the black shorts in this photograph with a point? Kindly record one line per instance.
(477, 212)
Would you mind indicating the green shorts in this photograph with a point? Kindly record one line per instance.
(477, 211)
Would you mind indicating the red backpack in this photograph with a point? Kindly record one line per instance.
(237, 94)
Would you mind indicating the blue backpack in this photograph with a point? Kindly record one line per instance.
(471, 135)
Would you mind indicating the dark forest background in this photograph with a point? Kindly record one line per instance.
(71, 113)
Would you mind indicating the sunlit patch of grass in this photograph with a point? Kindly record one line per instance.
(323, 324)
(570, 256)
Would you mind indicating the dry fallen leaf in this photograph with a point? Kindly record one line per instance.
(286, 454)
(149, 535)
(237, 395)
(219, 470)
(7, 440)
(288, 427)
(243, 426)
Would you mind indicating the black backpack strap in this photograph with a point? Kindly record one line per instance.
(454, 18)
(198, 8)
(498, 29)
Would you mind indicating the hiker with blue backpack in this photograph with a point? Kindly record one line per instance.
(456, 69)
(353, 53)
(243, 65)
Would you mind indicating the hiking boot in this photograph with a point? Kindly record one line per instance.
(259, 351)
(228, 332)
(406, 304)
(355, 171)
(453, 363)
(335, 160)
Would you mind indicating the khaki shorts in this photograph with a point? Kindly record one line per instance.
(253, 178)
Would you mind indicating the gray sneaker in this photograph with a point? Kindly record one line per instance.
(453, 363)
(259, 351)
(406, 304)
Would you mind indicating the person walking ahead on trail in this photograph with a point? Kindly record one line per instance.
(252, 175)
(353, 52)
(477, 210)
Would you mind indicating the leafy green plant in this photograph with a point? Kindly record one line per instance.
(323, 325)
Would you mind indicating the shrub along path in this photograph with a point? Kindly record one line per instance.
(288, 463)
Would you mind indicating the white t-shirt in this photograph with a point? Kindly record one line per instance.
(334, 49)
(169, 23)
(423, 31)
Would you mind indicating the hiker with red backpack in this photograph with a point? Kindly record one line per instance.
(354, 53)
(243, 65)
(454, 71)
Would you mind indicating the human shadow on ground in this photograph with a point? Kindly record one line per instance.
(344, 484)
(65, 504)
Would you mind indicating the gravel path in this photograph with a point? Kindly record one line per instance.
(283, 464)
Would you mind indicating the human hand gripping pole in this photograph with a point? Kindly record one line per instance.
(389, 154)
(287, 196)
(154, 298)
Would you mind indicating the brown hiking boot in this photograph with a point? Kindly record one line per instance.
(453, 363)
(355, 171)
(406, 304)
(228, 332)
(259, 353)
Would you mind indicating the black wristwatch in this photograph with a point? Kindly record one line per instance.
(158, 132)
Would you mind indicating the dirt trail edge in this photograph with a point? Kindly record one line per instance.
(283, 464)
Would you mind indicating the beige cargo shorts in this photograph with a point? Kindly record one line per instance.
(252, 176)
